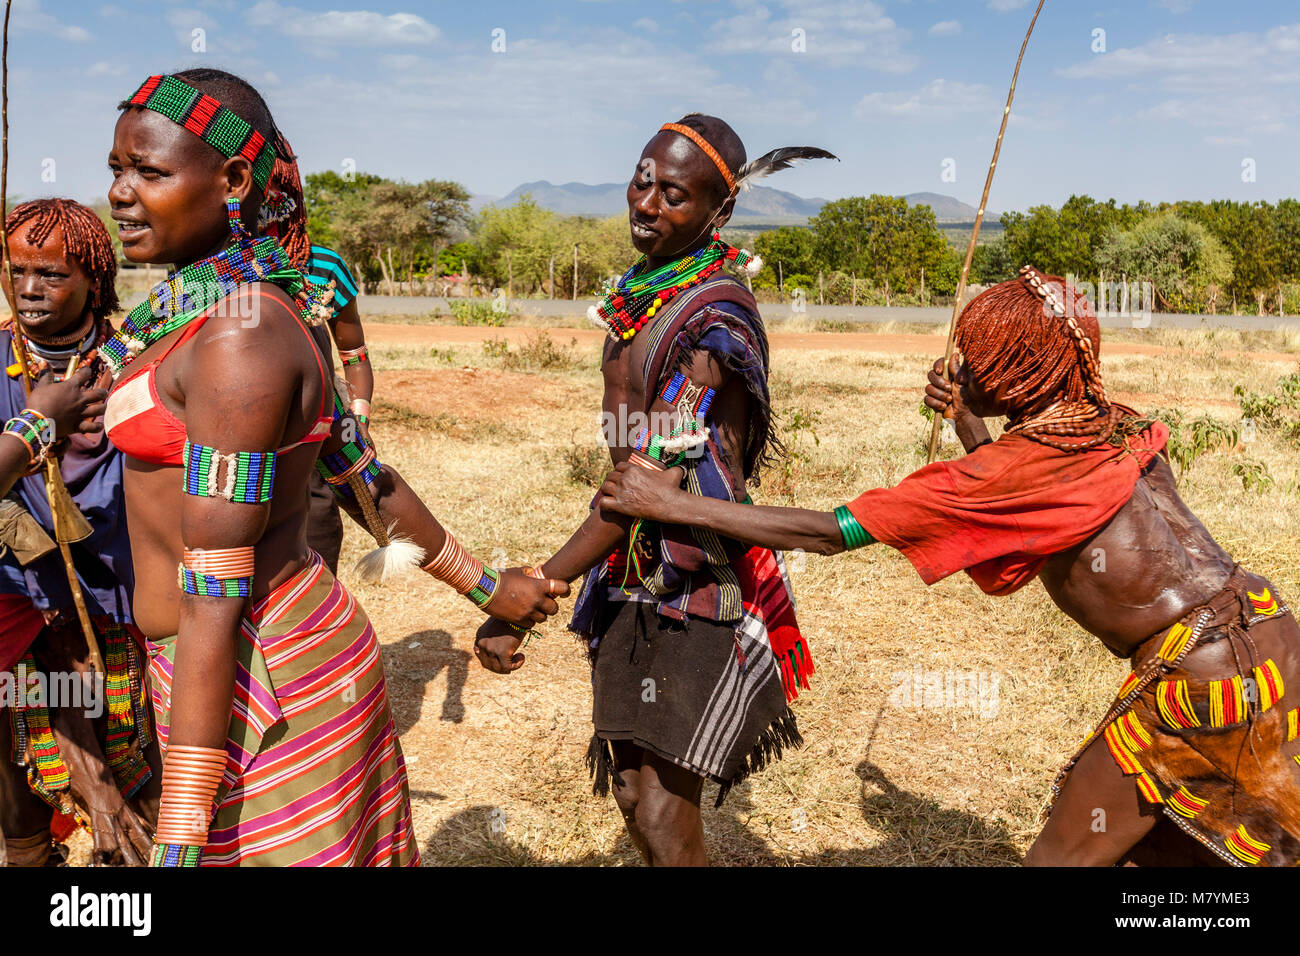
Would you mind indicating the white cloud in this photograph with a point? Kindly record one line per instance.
(1241, 83)
(1004, 6)
(938, 98)
(345, 27)
(29, 17)
(945, 28)
(834, 32)
(105, 68)
(646, 25)
(1175, 6)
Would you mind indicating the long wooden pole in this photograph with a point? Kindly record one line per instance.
(54, 487)
(937, 424)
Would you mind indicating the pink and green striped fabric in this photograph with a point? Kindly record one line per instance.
(315, 774)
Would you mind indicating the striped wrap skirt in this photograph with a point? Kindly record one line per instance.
(314, 770)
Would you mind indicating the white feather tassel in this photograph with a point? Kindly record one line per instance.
(753, 266)
(401, 556)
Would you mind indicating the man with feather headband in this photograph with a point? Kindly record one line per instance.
(692, 636)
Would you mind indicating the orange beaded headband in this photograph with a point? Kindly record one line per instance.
(709, 151)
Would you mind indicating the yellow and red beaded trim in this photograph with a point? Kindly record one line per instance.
(1129, 683)
(1132, 733)
(1292, 724)
(1245, 847)
(1117, 735)
(1227, 701)
(1263, 603)
(1269, 681)
(1175, 641)
(709, 151)
(1175, 704)
(1186, 804)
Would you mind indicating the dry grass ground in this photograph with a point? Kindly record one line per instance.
(496, 762)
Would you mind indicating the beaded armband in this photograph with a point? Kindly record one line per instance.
(855, 536)
(690, 400)
(34, 430)
(361, 410)
(224, 572)
(246, 477)
(675, 448)
(175, 854)
(350, 357)
(465, 573)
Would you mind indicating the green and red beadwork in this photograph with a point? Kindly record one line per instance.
(638, 295)
(207, 119)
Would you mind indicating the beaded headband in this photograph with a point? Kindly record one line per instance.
(709, 151)
(207, 119)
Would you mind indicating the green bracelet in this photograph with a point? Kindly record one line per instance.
(855, 536)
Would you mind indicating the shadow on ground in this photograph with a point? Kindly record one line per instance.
(918, 832)
(409, 670)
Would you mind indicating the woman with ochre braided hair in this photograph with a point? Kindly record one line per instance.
(1203, 738)
(92, 768)
(279, 746)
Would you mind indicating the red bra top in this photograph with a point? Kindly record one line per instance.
(139, 424)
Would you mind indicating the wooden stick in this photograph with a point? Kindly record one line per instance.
(54, 486)
(937, 424)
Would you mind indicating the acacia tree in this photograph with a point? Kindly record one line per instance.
(390, 223)
(880, 238)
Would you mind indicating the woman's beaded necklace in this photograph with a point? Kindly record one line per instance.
(638, 295)
(190, 291)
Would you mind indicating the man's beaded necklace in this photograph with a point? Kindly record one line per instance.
(638, 295)
(187, 293)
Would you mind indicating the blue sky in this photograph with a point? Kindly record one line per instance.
(1176, 97)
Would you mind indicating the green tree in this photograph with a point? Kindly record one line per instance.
(1183, 261)
(391, 223)
(323, 192)
(791, 246)
(879, 238)
(1249, 232)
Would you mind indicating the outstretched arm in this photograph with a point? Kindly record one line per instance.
(639, 492)
(511, 595)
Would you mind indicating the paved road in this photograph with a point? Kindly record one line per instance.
(546, 308)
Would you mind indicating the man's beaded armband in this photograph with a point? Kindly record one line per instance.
(350, 357)
(690, 399)
(247, 477)
(190, 780)
(855, 536)
(465, 573)
(34, 430)
(223, 572)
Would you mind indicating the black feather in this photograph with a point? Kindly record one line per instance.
(777, 159)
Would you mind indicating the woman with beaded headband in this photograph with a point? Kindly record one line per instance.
(685, 375)
(92, 764)
(1203, 738)
(279, 746)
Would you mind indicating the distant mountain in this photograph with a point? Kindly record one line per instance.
(946, 208)
(758, 204)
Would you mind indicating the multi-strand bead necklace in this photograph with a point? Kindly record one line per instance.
(638, 295)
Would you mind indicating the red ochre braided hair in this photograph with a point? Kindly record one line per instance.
(1035, 342)
(284, 211)
(84, 238)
